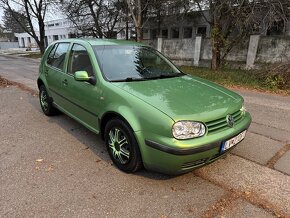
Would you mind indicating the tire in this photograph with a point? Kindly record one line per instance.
(122, 146)
(46, 102)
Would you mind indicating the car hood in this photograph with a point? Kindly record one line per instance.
(185, 97)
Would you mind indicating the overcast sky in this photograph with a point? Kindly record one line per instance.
(50, 15)
(1, 14)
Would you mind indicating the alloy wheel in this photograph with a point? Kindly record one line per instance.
(44, 100)
(119, 145)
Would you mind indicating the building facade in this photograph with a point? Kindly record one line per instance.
(62, 29)
(54, 30)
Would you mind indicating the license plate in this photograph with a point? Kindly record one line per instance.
(233, 141)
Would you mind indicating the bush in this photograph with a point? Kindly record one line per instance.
(277, 77)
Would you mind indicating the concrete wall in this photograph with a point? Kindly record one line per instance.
(273, 50)
(179, 50)
(255, 51)
(151, 42)
(8, 45)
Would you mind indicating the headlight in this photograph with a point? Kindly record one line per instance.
(243, 109)
(188, 129)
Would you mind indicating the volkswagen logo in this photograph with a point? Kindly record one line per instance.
(230, 120)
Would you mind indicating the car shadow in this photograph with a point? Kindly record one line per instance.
(90, 140)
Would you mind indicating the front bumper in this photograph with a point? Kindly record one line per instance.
(171, 156)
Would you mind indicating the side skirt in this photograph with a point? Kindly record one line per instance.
(77, 119)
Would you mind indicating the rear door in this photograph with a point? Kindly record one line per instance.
(54, 71)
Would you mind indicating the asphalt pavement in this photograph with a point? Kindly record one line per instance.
(53, 166)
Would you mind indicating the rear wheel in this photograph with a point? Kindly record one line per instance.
(122, 146)
(46, 103)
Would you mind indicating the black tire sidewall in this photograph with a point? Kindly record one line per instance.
(50, 109)
(135, 161)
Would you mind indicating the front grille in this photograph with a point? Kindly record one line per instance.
(221, 124)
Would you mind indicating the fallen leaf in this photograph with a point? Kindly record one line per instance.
(97, 161)
(50, 168)
(173, 189)
(39, 160)
(191, 209)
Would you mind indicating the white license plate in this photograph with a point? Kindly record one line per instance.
(233, 141)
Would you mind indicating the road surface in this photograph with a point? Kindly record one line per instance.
(55, 167)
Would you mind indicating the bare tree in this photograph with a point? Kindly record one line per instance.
(32, 11)
(98, 18)
(138, 10)
(143, 10)
(2, 32)
(158, 9)
(232, 21)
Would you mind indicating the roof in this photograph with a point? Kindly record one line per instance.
(94, 41)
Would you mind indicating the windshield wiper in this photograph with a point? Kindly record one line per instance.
(164, 76)
(130, 79)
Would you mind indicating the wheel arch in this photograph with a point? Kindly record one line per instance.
(39, 83)
(111, 115)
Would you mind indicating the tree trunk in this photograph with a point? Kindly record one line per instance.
(41, 41)
(139, 33)
(42, 46)
(216, 56)
(216, 47)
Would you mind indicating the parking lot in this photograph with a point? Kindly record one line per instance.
(53, 166)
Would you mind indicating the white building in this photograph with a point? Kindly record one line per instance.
(62, 29)
(54, 30)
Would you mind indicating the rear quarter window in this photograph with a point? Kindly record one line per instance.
(56, 57)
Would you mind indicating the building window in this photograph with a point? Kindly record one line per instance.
(50, 25)
(154, 34)
(164, 33)
(201, 31)
(71, 35)
(187, 32)
(175, 33)
(146, 34)
(277, 28)
(55, 37)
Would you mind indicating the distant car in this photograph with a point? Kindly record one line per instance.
(148, 112)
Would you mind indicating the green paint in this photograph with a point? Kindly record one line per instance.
(150, 107)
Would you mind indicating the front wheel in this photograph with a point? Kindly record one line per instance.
(122, 146)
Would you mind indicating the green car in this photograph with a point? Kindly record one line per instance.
(147, 111)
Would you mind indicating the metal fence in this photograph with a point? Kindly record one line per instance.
(8, 45)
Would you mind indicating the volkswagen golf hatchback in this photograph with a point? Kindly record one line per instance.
(147, 111)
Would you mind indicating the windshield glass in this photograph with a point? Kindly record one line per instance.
(130, 63)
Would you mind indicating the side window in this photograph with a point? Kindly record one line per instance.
(51, 54)
(79, 60)
(56, 57)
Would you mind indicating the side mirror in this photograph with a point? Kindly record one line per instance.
(82, 76)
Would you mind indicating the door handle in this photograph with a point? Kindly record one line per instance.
(64, 82)
(46, 72)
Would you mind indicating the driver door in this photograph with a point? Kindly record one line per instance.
(82, 98)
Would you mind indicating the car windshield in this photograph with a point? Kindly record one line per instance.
(133, 63)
